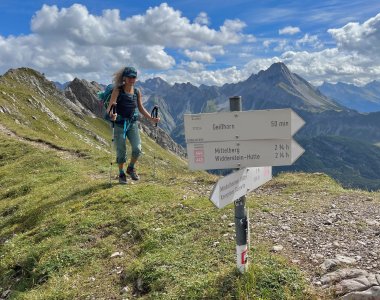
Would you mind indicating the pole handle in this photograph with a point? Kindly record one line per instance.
(154, 113)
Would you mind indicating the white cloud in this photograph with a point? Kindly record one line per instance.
(199, 56)
(362, 38)
(202, 19)
(193, 66)
(309, 40)
(289, 30)
(70, 41)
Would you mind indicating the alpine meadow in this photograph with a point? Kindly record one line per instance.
(66, 234)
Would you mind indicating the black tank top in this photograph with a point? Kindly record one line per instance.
(126, 104)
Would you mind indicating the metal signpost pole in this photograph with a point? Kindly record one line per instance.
(241, 220)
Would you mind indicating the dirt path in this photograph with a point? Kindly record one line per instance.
(62, 153)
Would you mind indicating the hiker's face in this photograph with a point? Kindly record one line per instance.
(130, 79)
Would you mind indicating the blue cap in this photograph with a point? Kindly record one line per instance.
(130, 72)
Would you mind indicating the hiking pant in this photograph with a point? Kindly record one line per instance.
(133, 136)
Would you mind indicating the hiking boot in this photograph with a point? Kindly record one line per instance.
(123, 178)
(132, 173)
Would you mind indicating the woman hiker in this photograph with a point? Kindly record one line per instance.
(127, 101)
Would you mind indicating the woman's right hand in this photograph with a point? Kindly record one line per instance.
(112, 115)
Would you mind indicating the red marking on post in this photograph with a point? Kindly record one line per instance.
(244, 257)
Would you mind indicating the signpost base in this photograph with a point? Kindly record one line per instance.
(241, 228)
(242, 258)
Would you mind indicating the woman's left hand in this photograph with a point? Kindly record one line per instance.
(155, 120)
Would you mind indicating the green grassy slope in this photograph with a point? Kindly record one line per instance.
(60, 222)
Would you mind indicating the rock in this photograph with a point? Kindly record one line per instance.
(328, 265)
(277, 248)
(125, 290)
(5, 294)
(372, 222)
(342, 274)
(224, 217)
(352, 285)
(140, 285)
(231, 224)
(372, 293)
(116, 254)
(345, 259)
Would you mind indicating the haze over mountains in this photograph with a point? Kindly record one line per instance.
(362, 99)
(331, 136)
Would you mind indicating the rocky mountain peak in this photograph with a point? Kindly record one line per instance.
(277, 72)
(30, 77)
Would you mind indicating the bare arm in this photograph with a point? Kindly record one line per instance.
(114, 95)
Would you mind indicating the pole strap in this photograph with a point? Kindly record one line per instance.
(154, 113)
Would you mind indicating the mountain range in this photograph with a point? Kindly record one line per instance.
(331, 136)
(326, 119)
(363, 99)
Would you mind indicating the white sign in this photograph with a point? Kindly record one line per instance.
(236, 154)
(232, 187)
(242, 125)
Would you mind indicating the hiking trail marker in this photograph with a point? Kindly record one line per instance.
(242, 125)
(236, 139)
(237, 184)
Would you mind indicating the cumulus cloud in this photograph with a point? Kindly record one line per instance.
(199, 56)
(70, 41)
(355, 58)
(309, 40)
(362, 38)
(202, 19)
(289, 30)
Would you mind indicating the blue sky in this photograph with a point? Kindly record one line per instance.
(210, 42)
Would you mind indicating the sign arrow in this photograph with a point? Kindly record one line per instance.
(233, 186)
(236, 154)
(244, 125)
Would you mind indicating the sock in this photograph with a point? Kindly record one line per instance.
(131, 165)
(121, 171)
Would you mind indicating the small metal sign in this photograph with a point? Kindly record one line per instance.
(237, 184)
(237, 154)
(242, 125)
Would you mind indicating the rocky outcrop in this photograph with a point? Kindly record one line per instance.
(161, 138)
(83, 93)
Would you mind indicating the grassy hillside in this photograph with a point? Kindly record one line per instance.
(66, 234)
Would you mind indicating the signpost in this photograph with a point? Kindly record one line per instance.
(235, 154)
(237, 184)
(242, 125)
(236, 139)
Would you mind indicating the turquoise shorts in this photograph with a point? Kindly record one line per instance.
(133, 135)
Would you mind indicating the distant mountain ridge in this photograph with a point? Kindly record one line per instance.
(362, 99)
(330, 136)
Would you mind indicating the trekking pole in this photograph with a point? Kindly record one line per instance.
(113, 139)
(154, 114)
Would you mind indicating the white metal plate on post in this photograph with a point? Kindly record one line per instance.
(242, 125)
(237, 184)
(236, 154)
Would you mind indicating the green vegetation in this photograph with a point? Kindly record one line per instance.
(61, 221)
